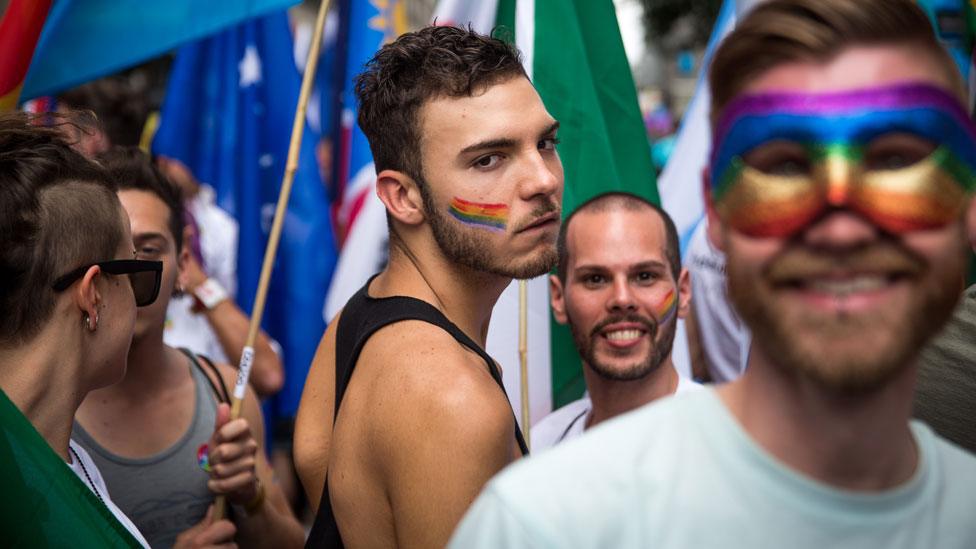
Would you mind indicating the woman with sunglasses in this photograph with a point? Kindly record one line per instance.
(69, 288)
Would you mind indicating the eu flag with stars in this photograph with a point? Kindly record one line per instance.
(228, 114)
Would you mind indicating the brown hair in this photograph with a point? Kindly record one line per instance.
(132, 169)
(616, 201)
(417, 67)
(781, 31)
(58, 211)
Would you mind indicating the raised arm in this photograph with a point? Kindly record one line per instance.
(230, 324)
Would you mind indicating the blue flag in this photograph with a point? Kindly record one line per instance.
(85, 39)
(228, 115)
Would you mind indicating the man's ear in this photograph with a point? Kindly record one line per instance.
(87, 297)
(184, 257)
(556, 299)
(714, 230)
(401, 196)
(684, 293)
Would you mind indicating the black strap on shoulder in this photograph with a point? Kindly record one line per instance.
(221, 394)
(369, 315)
(360, 319)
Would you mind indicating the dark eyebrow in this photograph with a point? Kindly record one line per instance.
(648, 265)
(551, 129)
(141, 237)
(504, 142)
(501, 143)
(642, 266)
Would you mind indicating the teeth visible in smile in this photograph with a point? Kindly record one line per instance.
(843, 287)
(621, 335)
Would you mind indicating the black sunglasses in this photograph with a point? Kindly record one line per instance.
(144, 275)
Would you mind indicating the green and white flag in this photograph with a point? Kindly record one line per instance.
(574, 55)
(42, 502)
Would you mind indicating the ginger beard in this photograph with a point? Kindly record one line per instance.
(848, 352)
(849, 316)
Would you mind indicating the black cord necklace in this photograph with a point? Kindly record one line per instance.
(87, 476)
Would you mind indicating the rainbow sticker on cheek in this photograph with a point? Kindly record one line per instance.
(836, 132)
(668, 307)
(493, 217)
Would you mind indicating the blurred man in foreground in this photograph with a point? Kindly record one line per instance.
(842, 170)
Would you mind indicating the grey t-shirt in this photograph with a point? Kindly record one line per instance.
(167, 493)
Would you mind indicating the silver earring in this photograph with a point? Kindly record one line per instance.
(92, 326)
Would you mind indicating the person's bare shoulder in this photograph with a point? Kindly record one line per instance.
(428, 380)
(439, 425)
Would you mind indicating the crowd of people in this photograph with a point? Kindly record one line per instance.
(839, 195)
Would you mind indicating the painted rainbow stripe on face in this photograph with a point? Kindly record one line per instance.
(668, 307)
(493, 217)
(835, 129)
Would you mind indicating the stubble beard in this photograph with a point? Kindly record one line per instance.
(662, 338)
(848, 354)
(474, 251)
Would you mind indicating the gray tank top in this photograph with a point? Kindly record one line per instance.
(166, 493)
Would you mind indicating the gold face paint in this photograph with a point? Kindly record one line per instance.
(924, 195)
(830, 135)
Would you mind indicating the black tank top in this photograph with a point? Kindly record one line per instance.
(361, 318)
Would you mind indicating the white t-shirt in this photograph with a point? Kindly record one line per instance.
(218, 244)
(682, 472)
(570, 420)
(93, 480)
(723, 337)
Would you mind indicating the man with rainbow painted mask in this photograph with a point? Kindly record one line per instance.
(840, 183)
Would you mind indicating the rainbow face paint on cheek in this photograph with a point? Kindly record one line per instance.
(668, 307)
(493, 217)
(835, 130)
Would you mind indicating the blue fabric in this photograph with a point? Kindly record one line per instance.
(364, 35)
(85, 39)
(231, 126)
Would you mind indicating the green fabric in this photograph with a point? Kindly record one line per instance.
(505, 20)
(42, 502)
(581, 72)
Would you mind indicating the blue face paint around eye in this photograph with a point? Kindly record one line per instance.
(845, 118)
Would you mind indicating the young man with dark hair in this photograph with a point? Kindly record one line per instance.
(162, 435)
(842, 170)
(468, 172)
(620, 287)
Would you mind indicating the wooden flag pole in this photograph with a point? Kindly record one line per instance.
(294, 147)
(524, 357)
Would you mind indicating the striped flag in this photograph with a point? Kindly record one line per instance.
(19, 30)
(574, 55)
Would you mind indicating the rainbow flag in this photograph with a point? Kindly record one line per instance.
(19, 30)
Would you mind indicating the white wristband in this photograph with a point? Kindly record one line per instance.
(210, 293)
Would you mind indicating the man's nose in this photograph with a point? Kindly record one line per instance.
(622, 296)
(542, 176)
